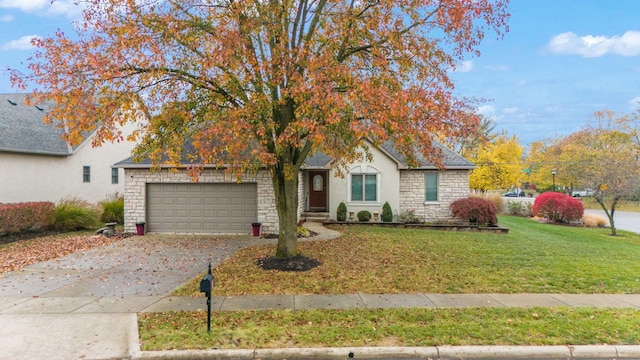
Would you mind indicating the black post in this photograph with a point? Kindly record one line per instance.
(206, 286)
(209, 275)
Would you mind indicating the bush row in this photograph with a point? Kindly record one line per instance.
(66, 215)
(24, 217)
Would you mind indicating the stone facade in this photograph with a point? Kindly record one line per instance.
(452, 185)
(137, 179)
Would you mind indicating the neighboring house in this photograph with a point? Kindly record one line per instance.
(168, 201)
(36, 164)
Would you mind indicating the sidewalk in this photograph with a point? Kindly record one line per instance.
(106, 327)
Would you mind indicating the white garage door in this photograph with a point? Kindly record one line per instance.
(201, 208)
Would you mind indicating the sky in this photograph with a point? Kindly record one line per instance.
(561, 61)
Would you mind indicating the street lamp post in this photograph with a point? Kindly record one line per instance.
(553, 175)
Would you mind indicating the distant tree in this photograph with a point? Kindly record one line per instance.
(499, 164)
(277, 80)
(468, 145)
(606, 159)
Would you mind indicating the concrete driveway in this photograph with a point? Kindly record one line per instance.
(624, 220)
(151, 265)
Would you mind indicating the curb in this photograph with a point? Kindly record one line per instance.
(433, 353)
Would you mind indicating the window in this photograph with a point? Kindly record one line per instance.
(364, 187)
(114, 176)
(86, 174)
(431, 187)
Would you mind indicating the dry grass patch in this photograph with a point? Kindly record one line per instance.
(592, 220)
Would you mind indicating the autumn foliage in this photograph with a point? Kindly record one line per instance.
(558, 207)
(475, 210)
(243, 84)
(23, 217)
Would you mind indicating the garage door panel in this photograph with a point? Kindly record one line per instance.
(201, 208)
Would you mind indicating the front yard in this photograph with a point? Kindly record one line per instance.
(533, 257)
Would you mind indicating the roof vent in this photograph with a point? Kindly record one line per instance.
(11, 102)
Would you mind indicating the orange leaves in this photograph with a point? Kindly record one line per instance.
(264, 78)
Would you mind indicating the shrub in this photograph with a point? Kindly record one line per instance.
(519, 208)
(303, 232)
(592, 220)
(387, 214)
(113, 209)
(496, 200)
(341, 213)
(409, 217)
(475, 210)
(364, 215)
(24, 217)
(558, 207)
(75, 214)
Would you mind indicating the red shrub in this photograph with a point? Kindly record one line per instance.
(22, 217)
(475, 210)
(558, 207)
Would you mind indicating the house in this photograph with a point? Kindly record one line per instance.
(168, 201)
(38, 165)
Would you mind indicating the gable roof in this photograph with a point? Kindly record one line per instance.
(23, 131)
(450, 159)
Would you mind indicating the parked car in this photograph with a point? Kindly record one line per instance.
(514, 193)
(581, 193)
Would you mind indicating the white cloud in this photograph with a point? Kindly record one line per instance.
(588, 46)
(6, 18)
(58, 7)
(22, 43)
(464, 66)
(486, 110)
(510, 110)
(498, 68)
(635, 102)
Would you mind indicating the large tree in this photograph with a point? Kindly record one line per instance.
(267, 82)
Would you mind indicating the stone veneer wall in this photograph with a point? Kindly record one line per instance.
(453, 185)
(135, 193)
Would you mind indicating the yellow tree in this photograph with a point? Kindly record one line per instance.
(267, 82)
(499, 164)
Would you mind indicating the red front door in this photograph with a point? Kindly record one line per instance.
(317, 190)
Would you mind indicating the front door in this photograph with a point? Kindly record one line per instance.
(317, 190)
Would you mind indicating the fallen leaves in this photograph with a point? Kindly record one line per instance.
(16, 255)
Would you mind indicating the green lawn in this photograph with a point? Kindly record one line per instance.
(533, 257)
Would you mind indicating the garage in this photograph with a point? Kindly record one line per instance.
(201, 208)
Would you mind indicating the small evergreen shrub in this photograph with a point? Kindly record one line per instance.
(558, 207)
(341, 213)
(24, 217)
(76, 214)
(364, 215)
(475, 210)
(409, 217)
(113, 209)
(387, 214)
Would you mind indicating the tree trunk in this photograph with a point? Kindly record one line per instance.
(285, 185)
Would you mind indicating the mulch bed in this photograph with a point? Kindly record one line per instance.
(296, 263)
